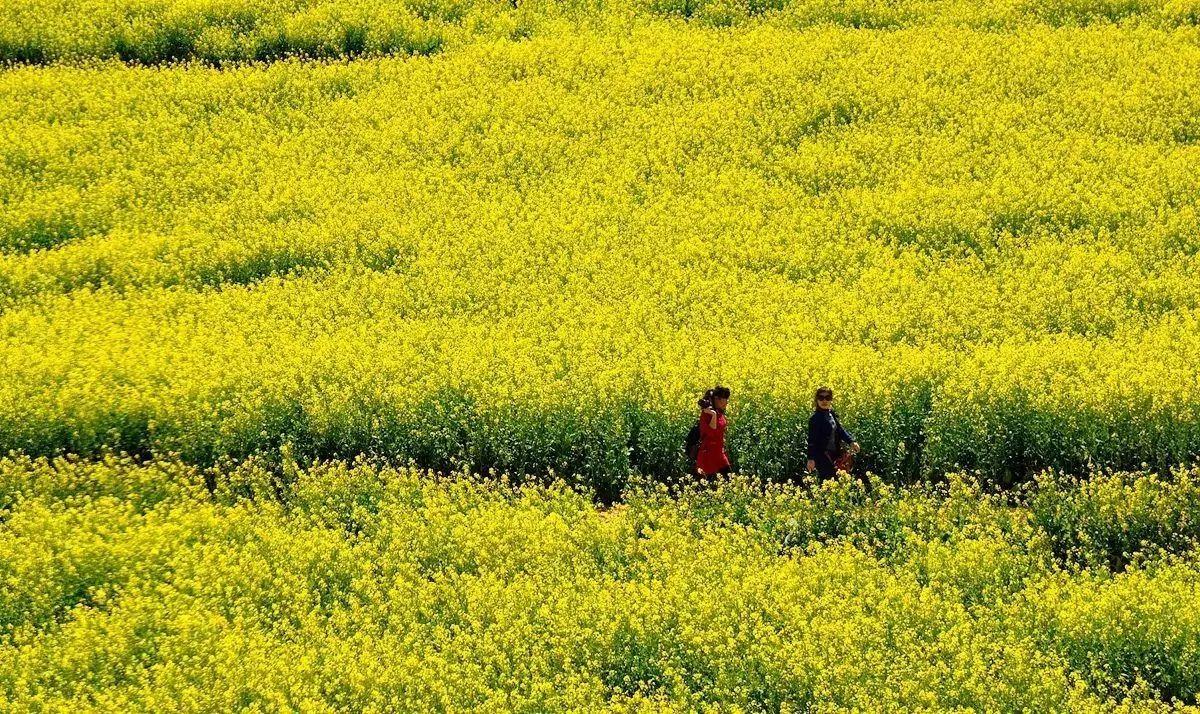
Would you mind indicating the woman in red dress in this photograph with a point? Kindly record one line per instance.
(712, 458)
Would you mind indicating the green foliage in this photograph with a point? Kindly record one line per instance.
(1110, 519)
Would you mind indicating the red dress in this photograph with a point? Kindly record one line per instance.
(712, 457)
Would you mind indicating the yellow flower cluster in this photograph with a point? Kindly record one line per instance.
(532, 256)
(222, 31)
(216, 31)
(348, 587)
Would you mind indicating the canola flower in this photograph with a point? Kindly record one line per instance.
(348, 586)
(531, 256)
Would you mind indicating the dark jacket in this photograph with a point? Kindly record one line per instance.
(822, 426)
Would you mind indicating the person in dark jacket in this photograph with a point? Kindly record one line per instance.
(825, 430)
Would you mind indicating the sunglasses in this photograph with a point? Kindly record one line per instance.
(825, 398)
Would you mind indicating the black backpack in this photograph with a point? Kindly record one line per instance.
(691, 445)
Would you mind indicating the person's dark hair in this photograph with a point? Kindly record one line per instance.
(717, 392)
(817, 395)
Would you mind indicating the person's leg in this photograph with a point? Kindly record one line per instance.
(722, 476)
(693, 476)
(710, 482)
(715, 478)
(825, 467)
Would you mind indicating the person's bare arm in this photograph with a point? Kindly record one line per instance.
(712, 418)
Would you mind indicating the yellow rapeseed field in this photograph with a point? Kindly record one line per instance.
(532, 255)
(356, 588)
(325, 325)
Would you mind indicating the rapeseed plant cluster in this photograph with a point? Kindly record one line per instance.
(140, 587)
(532, 256)
(224, 31)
